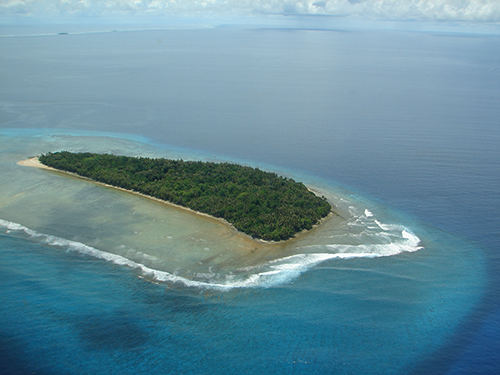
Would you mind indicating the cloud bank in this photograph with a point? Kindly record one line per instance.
(450, 10)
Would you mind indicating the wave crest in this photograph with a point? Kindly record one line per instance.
(273, 273)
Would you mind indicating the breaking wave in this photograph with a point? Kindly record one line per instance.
(397, 239)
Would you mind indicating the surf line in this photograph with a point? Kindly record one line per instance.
(272, 273)
(286, 270)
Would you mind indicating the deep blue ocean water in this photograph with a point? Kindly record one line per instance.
(403, 125)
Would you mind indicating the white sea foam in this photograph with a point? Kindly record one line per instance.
(383, 226)
(11, 226)
(272, 273)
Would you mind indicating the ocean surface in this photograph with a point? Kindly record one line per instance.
(400, 131)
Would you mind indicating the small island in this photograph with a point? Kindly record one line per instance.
(261, 204)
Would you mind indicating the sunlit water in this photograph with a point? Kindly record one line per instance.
(168, 243)
(95, 280)
(311, 302)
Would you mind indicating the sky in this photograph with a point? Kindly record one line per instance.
(426, 10)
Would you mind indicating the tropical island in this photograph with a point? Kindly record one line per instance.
(261, 204)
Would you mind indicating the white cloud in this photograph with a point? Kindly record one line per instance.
(459, 10)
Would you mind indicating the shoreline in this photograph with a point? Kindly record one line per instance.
(34, 162)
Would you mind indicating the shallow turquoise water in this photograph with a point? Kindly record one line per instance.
(338, 301)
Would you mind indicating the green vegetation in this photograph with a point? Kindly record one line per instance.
(261, 204)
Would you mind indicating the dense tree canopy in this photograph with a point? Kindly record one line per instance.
(261, 204)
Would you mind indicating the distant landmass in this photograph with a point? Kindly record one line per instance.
(261, 204)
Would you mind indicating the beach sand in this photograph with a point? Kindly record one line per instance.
(34, 162)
